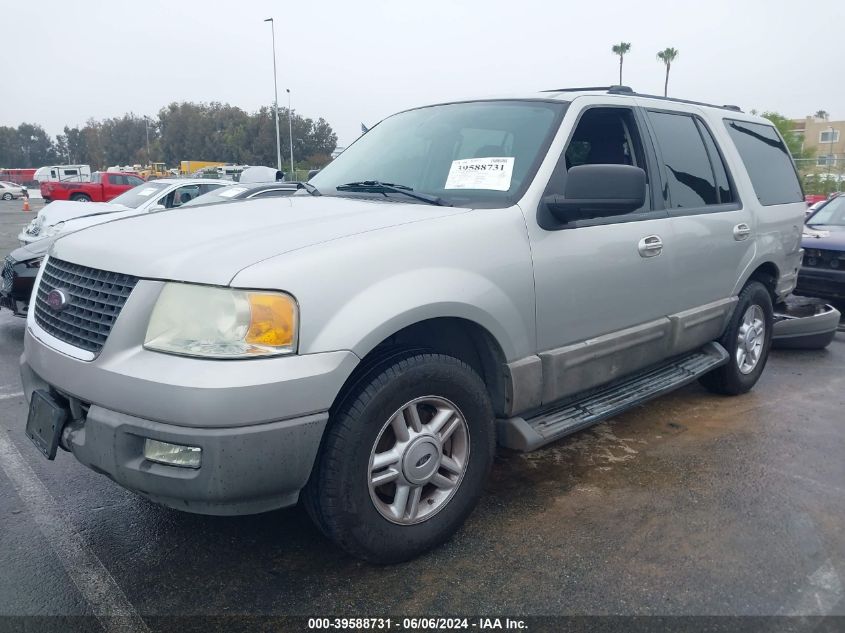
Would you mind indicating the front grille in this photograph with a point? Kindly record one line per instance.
(96, 298)
(8, 273)
(822, 258)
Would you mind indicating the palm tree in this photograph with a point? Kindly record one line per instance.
(620, 49)
(821, 114)
(667, 56)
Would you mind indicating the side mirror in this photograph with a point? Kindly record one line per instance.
(598, 191)
(157, 207)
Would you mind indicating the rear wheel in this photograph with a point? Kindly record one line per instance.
(747, 340)
(81, 197)
(7, 196)
(405, 458)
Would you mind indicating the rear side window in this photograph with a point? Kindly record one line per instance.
(689, 175)
(767, 162)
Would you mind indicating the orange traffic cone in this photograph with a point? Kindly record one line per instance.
(25, 204)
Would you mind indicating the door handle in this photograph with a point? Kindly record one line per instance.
(741, 231)
(650, 246)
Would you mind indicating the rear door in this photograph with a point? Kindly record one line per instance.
(714, 240)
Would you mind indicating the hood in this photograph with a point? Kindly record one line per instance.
(64, 210)
(211, 244)
(824, 236)
(33, 250)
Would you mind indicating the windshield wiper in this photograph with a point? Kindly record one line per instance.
(374, 186)
(300, 184)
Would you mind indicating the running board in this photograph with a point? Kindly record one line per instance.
(574, 414)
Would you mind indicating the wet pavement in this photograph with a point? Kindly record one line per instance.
(693, 504)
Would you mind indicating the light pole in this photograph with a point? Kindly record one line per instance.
(830, 157)
(276, 102)
(290, 133)
(147, 126)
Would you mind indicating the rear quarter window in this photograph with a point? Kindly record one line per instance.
(767, 162)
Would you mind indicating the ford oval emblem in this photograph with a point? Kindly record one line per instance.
(58, 299)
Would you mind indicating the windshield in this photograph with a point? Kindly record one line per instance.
(474, 154)
(831, 213)
(134, 198)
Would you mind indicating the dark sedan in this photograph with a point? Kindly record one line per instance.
(19, 271)
(822, 272)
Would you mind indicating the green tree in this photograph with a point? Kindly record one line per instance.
(621, 49)
(793, 141)
(821, 114)
(667, 56)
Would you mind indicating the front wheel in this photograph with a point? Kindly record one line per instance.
(405, 458)
(81, 197)
(747, 340)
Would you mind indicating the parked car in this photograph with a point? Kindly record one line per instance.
(19, 270)
(464, 273)
(63, 217)
(102, 187)
(823, 268)
(245, 191)
(10, 191)
(21, 265)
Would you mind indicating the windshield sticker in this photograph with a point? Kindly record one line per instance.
(493, 173)
(230, 193)
(148, 191)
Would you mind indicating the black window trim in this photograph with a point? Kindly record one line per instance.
(737, 205)
(654, 200)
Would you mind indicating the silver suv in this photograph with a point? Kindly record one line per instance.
(468, 273)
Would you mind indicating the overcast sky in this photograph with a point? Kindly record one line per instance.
(352, 62)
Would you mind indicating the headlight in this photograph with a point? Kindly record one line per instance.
(218, 322)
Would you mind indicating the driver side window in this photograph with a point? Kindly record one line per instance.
(605, 136)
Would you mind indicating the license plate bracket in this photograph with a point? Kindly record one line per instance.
(45, 422)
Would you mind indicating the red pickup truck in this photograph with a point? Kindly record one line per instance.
(102, 187)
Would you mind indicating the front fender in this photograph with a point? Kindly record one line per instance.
(384, 308)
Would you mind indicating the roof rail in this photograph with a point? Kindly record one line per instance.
(610, 89)
(627, 90)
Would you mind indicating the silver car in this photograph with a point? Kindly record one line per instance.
(495, 271)
(10, 190)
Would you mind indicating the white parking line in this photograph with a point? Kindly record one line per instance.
(108, 602)
(7, 396)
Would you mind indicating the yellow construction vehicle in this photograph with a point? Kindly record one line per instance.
(153, 171)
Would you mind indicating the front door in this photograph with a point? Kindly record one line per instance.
(602, 285)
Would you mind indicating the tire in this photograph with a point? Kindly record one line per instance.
(81, 197)
(364, 513)
(742, 372)
(7, 196)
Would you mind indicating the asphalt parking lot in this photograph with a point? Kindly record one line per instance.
(691, 505)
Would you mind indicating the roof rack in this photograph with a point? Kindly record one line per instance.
(627, 90)
(610, 89)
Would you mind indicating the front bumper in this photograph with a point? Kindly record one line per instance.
(259, 422)
(244, 469)
(821, 282)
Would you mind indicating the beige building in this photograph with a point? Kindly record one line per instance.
(826, 139)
